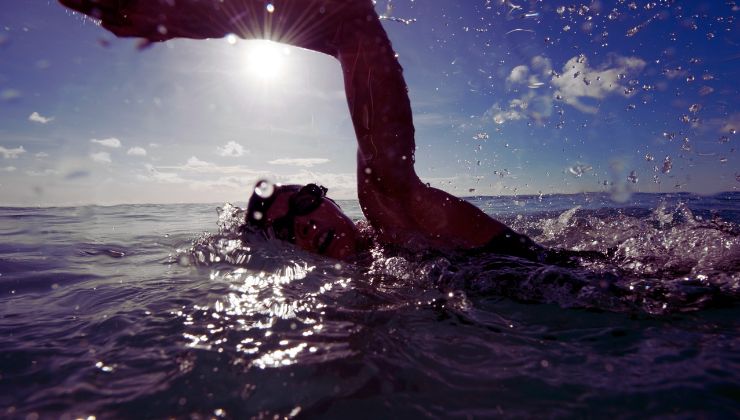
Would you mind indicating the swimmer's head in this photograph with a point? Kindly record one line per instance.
(304, 216)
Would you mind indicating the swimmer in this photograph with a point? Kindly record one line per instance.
(401, 209)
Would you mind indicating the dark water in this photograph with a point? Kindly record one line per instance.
(133, 312)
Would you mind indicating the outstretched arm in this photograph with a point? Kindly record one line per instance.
(311, 24)
(391, 195)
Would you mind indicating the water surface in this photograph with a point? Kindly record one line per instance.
(164, 311)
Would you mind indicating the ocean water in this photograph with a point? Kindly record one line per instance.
(158, 311)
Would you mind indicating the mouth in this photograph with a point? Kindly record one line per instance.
(324, 240)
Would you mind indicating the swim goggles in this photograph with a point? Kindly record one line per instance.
(301, 203)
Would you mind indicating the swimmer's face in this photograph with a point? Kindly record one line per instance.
(325, 230)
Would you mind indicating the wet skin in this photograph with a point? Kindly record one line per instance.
(402, 209)
(326, 230)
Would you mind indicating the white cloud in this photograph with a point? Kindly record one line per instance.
(542, 64)
(196, 165)
(230, 149)
(41, 155)
(153, 174)
(136, 151)
(101, 157)
(518, 74)
(12, 153)
(531, 105)
(501, 115)
(579, 81)
(109, 142)
(8, 169)
(302, 162)
(45, 172)
(194, 162)
(541, 68)
(38, 118)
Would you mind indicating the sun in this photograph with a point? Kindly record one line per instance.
(266, 60)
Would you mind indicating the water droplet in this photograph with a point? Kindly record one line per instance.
(270, 7)
(649, 157)
(724, 139)
(632, 177)
(694, 108)
(578, 170)
(667, 165)
(264, 189)
(690, 79)
(630, 107)
(710, 35)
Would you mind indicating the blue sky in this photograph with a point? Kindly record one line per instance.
(509, 97)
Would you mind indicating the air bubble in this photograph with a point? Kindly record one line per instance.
(270, 7)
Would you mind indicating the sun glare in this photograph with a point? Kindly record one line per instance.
(265, 60)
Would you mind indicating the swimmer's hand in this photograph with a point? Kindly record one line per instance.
(157, 20)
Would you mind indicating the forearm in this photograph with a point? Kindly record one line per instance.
(379, 106)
